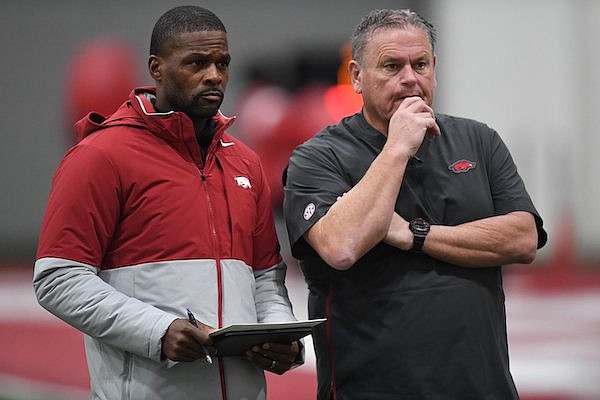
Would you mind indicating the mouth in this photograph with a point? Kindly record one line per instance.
(211, 95)
(401, 98)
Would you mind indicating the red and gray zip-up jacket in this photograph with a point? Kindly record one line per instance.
(137, 229)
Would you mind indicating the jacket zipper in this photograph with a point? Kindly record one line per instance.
(215, 241)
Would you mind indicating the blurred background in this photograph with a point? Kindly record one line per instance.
(526, 68)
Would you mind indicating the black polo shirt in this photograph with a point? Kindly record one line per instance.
(404, 325)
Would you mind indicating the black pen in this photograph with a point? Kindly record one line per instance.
(193, 321)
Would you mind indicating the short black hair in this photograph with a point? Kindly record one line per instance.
(183, 19)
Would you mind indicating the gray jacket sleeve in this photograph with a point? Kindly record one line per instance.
(271, 298)
(272, 301)
(76, 294)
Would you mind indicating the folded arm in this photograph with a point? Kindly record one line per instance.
(360, 219)
(488, 242)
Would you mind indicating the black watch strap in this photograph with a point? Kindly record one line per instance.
(420, 228)
(418, 242)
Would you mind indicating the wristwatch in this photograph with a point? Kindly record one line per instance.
(420, 228)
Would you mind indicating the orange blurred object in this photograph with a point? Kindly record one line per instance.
(274, 122)
(341, 101)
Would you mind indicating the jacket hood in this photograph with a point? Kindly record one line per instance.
(138, 111)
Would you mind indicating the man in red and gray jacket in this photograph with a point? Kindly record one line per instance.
(156, 210)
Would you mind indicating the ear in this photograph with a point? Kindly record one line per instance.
(155, 67)
(434, 67)
(434, 74)
(355, 76)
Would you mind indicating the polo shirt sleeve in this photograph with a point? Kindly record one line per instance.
(508, 189)
(312, 183)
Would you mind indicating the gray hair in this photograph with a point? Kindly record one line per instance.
(387, 19)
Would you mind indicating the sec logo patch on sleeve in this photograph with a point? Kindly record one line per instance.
(309, 210)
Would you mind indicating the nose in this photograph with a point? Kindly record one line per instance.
(408, 76)
(212, 74)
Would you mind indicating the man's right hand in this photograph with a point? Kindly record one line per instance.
(410, 123)
(183, 341)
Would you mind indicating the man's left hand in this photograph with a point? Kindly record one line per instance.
(274, 357)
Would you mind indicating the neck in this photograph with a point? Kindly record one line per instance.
(205, 130)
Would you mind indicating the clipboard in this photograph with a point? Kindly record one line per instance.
(234, 340)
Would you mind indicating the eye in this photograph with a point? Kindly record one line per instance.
(198, 61)
(223, 64)
(421, 66)
(390, 67)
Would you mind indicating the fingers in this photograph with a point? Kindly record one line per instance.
(415, 104)
(183, 341)
(280, 349)
(267, 363)
(418, 107)
(433, 131)
(274, 357)
(202, 332)
(412, 120)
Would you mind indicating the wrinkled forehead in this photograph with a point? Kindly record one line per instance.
(394, 42)
(416, 33)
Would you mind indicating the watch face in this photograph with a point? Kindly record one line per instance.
(419, 228)
(419, 225)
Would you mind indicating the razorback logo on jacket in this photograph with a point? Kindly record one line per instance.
(243, 182)
(462, 166)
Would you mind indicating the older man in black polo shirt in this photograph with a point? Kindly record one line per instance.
(402, 219)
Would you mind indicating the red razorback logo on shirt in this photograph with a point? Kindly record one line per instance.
(462, 166)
